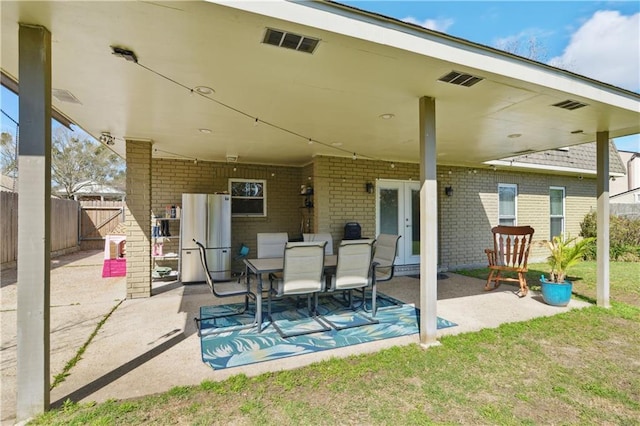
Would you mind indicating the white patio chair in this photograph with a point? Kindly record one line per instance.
(354, 271)
(328, 249)
(303, 274)
(271, 244)
(385, 252)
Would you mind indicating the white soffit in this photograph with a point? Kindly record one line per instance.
(341, 20)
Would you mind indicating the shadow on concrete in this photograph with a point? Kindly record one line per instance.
(119, 372)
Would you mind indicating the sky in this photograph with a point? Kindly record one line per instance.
(597, 39)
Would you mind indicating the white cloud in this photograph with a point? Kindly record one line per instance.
(606, 48)
(433, 24)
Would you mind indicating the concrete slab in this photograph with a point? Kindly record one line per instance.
(149, 345)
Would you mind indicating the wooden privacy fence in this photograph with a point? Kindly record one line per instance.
(64, 227)
(97, 219)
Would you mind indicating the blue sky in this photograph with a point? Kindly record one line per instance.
(598, 39)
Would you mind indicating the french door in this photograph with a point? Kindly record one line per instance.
(398, 213)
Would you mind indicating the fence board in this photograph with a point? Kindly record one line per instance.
(64, 226)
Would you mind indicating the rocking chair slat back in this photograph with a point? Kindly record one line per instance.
(511, 245)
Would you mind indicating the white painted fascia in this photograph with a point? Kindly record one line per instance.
(533, 166)
(333, 18)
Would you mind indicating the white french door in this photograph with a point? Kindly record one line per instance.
(398, 213)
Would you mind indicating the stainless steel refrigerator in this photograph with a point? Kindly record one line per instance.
(206, 218)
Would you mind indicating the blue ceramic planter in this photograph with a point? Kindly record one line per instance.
(555, 294)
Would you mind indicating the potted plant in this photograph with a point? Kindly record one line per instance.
(564, 253)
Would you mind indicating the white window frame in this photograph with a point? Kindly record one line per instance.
(515, 201)
(263, 197)
(564, 209)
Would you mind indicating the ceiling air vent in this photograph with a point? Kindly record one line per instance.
(65, 96)
(569, 104)
(460, 79)
(290, 40)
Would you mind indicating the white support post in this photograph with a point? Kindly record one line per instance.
(428, 223)
(34, 221)
(602, 142)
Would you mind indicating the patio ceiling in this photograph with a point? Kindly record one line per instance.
(363, 67)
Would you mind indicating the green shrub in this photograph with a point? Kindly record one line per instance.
(624, 237)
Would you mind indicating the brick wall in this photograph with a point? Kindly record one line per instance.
(340, 194)
(137, 208)
(465, 218)
(472, 210)
(172, 178)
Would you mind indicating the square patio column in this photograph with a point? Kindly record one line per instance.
(138, 218)
(602, 222)
(34, 222)
(428, 223)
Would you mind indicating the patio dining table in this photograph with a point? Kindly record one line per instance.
(258, 267)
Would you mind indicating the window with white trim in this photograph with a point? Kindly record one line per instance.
(507, 204)
(248, 197)
(556, 211)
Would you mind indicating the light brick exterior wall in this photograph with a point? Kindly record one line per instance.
(465, 218)
(340, 194)
(472, 211)
(172, 178)
(137, 214)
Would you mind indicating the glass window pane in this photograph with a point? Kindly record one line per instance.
(556, 226)
(555, 201)
(507, 222)
(389, 211)
(247, 206)
(507, 205)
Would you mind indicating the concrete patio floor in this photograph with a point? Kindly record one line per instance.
(147, 346)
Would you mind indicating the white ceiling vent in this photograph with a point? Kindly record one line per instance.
(290, 41)
(65, 96)
(460, 79)
(569, 104)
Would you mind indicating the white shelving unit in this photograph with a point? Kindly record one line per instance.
(170, 256)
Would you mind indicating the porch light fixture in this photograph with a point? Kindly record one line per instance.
(205, 131)
(387, 116)
(448, 191)
(369, 187)
(514, 135)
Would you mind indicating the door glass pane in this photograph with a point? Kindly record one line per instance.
(415, 222)
(389, 211)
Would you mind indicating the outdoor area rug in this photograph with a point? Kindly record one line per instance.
(228, 342)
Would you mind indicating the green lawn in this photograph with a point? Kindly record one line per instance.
(581, 367)
(624, 279)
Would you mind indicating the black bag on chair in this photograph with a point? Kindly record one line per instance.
(352, 231)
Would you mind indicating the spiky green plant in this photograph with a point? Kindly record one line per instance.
(565, 252)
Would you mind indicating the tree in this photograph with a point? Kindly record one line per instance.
(531, 48)
(77, 161)
(8, 161)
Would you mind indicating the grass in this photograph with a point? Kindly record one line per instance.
(624, 281)
(580, 367)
